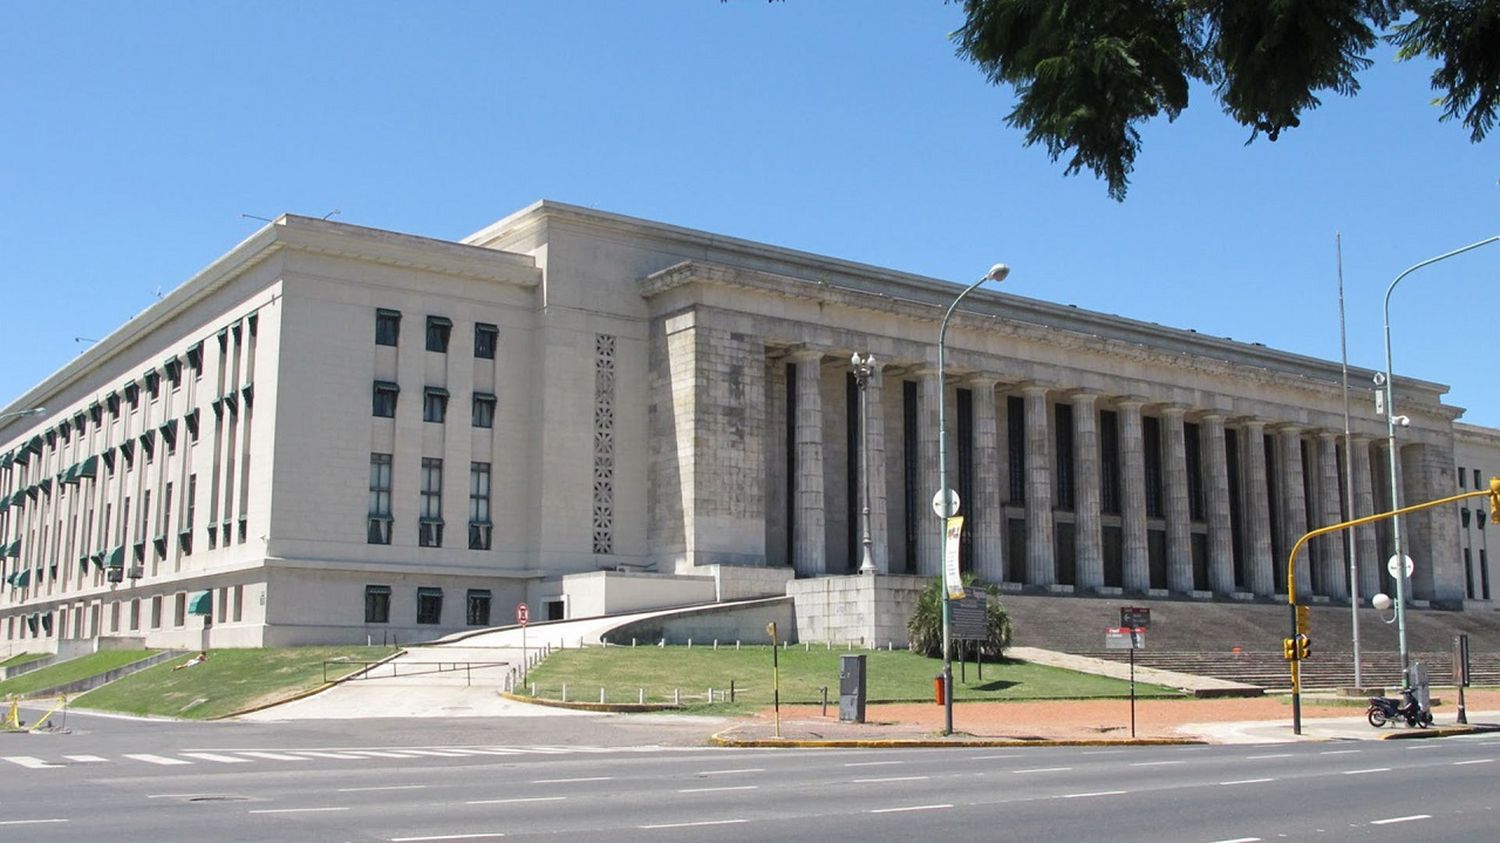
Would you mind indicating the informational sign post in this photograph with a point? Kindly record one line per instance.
(1130, 638)
(523, 616)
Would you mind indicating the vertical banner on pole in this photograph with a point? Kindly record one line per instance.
(952, 579)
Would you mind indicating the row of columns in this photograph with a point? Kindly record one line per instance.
(1040, 565)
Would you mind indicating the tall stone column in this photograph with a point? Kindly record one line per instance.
(1366, 547)
(1220, 533)
(986, 509)
(874, 440)
(1135, 552)
(1087, 538)
(1179, 536)
(1261, 567)
(1294, 503)
(1331, 565)
(929, 527)
(809, 545)
(1041, 564)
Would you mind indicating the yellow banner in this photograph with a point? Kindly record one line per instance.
(953, 582)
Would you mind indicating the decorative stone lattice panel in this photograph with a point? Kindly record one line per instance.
(604, 443)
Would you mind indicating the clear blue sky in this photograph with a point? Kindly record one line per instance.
(136, 134)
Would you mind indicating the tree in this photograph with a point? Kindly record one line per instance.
(924, 630)
(1087, 73)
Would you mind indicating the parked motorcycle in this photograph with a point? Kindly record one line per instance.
(1384, 710)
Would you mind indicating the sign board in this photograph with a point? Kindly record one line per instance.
(1394, 566)
(952, 579)
(523, 615)
(945, 509)
(1124, 638)
(1461, 660)
(967, 620)
(1135, 617)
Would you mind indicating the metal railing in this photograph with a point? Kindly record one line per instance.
(399, 668)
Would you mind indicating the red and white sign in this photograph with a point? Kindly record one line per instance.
(522, 614)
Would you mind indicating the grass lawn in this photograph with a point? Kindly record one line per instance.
(228, 682)
(23, 658)
(71, 671)
(891, 677)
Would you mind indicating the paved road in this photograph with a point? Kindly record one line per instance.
(403, 781)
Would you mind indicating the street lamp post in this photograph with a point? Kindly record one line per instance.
(864, 369)
(1390, 438)
(947, 506)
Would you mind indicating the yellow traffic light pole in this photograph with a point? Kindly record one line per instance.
(1298, 641)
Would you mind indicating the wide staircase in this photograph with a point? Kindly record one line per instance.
(1242, 641)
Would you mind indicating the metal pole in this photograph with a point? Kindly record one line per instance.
(996, 273)
(1392, 456)
(863, 369)
(1338, 241)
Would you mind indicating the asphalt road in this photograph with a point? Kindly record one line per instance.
(449, 780)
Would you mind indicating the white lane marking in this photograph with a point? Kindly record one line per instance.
(570, 781)
(1155, 763)
(439, 753)
(1095, 793)
(1339, 751)
(1247, 781)
(1475, 761)
(382, 787)
(495, 751)
(296, 810)
(1263, 757)
(483, 835)
(892, 779)
(29, 762)
(156, 759)
(692, 825)
(873, 763)
(994, 757)
(1044, 770)
(513, 800)
(1418, 745)
(909, 808)
(1401, 819)
(1370, 770)
(30, 822)
(272, 756)
(716, 789)
(380, 753)
(731, 772)
(1090, 752)
(214, 756)
(320, 754)
(85, 759)
(1240, 840)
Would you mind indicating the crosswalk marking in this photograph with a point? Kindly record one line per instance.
(85, 759)
(340, 755)
(214, 756)
(156, 759)
(29, 762)
(274, 756)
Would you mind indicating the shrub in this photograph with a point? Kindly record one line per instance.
(924, 630)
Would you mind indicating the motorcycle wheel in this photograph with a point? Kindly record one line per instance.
(1375, 716)
(1426, 719)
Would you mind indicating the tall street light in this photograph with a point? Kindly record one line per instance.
(1390, 441)
(864, 368)
(946, 502)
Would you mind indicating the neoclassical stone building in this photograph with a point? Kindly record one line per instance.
(336, 433)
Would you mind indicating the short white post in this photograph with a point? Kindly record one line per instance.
(676, 696)
(601, 696)
(641, 692)
(565, 692)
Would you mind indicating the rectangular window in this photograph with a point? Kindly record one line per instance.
(1477, 484)
(434, 404)
(385, 399)
(379, 531)
(1109, 462)
(1063, 472)
(486, 337)
(430, 527)
(135, 614)
(1151, 450)
(387, 326)
(477, 607)
(479, 506)
(438, 330)
(429, 605)
(156, 612)
(179, 609)
(377, 604)
(484, 409)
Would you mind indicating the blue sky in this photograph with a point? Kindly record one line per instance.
(136, 134)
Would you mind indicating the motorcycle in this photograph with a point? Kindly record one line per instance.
(1384, 709)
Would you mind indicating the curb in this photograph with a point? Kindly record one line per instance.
(934, 743)
(615, 708)
(309, 692)
(1442, 732)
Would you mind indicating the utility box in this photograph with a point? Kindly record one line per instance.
(852, 689)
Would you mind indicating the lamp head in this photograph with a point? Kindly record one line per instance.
(1381, 602)
(997, 273)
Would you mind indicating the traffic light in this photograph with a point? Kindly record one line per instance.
(1289, 649)
(1304, 647)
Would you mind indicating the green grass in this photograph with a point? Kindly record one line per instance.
(23, 658)
(229, 681)
(72, 670)
(891, 677)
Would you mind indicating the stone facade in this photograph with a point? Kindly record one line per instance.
(332, 427)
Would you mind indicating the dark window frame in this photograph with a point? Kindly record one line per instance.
(387, 326)
(377, 604)
(429, 606)
(486, 340)
(439, 332)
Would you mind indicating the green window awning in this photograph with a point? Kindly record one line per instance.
(23, 455)
(88, 468)
(7, 459)
(98, 560)
(116, 557)
(4, 503)
(202, 603)
(18, 498)
(13, 549)
(23, 578)
(69, 476)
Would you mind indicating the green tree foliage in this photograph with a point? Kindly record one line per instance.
(1087, 73)
(924, 630)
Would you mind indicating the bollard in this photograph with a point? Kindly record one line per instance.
(676, 696)
(830, 645)
(565, 692)
(889, 647)
(533, 689)
(601, 696)
(632, 643)
(824, 690)
(716, 645)
(662, 643)
(731, 690)
(807, 646)
(690, 643)
(851, 646)
(736, 645)
(641, 693)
